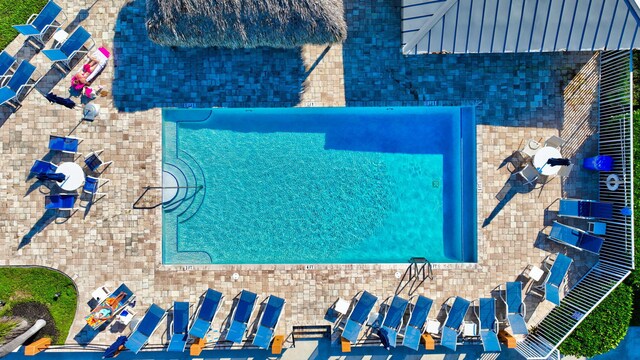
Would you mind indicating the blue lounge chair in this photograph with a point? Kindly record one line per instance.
(455, 317)
(145, 328)
(268, 322)
(555, 277)
(415, 325)
(40, 168)
(515, 308)
(488, 325)
(72, 46)
(179, 327)
(585, 209)
(393, 321)
(6, 64)
(19, 81)
(575, 238)
(241, 315)
(358, 316)
(65, 144)
(59, 202)
(38, 24)
(206, 312)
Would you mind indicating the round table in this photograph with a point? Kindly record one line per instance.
(541, 157)
(74, 176)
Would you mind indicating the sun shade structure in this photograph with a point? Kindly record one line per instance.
(245, 23)
(507, 26)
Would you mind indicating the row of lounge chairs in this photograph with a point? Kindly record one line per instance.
(389, 326)
(15, 80)
(580, 209)
(180, 331)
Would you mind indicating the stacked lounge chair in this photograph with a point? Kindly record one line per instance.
(145, 328)
(585, 209)
(10, 93)
(205, 313)
(70, 48)
(575, 238)
(555, 278)
(179, 327)
(488, 325)
(358, 316)
(515, 308)
(415, 325)
(392, 322)
(268, 321)
(453, 323)
(38, 24)
(241, 315)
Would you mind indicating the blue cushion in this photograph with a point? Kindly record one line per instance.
(449, 338)
(47, 16)
(6, 94)
(136, 341)
(200, 328)
(490, 341)
(518, 325)
(263, 337)
(236, 332)
(55, 55)
(27, 30)
(412, 337)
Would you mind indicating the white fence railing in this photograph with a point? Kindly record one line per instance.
(616, 256)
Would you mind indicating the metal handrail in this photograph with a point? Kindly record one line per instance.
(147, 188)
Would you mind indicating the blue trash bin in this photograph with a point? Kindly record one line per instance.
(598, 163)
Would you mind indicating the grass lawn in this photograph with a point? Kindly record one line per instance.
(19, 285)
(15, 12)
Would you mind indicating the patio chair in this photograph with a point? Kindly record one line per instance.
(585, 209)
(575, 238)
(19, 81)
(529, 174)
(38, 24)
(70, 48)
(358, 316)
(179, 327)
(65, 144)
(60, 202)
(6, 66)
(515, 308)
(111, 306)
(517, 160)
(145, 328)
(488, 324)
(565, 170)
(392, 321)
(41, 167)
(453, 322)
(268, 321)
(531, 146)
(555, 277)
(91, 186)
(209, 306)
(555, 141)
(241, 315)
(95, 163)
(415, 326)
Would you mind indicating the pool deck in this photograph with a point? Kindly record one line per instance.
(517, 96)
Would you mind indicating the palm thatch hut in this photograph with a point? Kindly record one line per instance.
(245, 23)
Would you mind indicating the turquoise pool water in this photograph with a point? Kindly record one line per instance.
(320, 185)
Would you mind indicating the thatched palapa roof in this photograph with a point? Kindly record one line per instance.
(245, 23)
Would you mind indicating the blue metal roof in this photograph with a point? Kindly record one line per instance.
(498, 26)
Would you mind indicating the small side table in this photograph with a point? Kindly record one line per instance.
(535, 273)
(470, 329)
(60, 36)
(597, 228)
(125, 316)
(342, 306)
(100, 294)
(433, 326)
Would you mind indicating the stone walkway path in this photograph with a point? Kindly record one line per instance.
(518, 97)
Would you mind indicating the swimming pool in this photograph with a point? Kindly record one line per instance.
(319, 185)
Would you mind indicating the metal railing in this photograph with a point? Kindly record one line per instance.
(616, 256)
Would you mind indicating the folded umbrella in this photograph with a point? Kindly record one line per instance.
(52, 177)
(558, 162)
(53, 98)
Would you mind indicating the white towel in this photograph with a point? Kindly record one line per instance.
(102, 62)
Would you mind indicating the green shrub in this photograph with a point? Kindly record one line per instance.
(604, 328)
